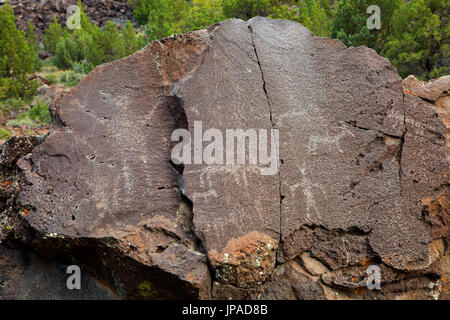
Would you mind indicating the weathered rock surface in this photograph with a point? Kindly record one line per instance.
(430, 90)
(24, 275)
(362, 177)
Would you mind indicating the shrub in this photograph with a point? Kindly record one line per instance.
(82, 67)
(246, 9)
(71, 78)
(165, 18)
(317, 17)
(63, 77)
(22, 120)
(141, 10)
(12, 104)
(52, 78)
(16, 58)
(130, 39)
(52, 36)
(40, 112)
(350, 23)
(4, 133)
(203, 13)
(419, 39)
(64, 52)
(83, 49)
(142, 40)
(33, 41)
(110, 42)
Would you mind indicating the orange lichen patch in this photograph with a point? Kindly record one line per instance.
(153, 235)
(191, 277)
(436, 204)
(181, 55)
(104, 283)
(24, 212)
(6, 185)
(360, 291)
(435, 213)
(365, 262)
(245, 261)
(442, 107)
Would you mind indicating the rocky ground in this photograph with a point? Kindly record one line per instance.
(42, 12)
(46, 93)
(362, 178)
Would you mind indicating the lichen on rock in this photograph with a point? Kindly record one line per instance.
(362, 176)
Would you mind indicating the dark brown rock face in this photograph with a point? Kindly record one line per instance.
(362, 176)
(24, 275)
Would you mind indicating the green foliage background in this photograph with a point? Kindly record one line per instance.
(90, 45)
(17, 58)
(414, 34)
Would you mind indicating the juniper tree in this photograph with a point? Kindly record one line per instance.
(52, 35)
(16, 58)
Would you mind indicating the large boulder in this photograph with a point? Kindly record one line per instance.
(360, 177)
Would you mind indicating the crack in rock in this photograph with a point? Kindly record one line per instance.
(361, 179)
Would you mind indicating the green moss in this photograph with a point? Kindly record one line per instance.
(4, 133)
(146, 289)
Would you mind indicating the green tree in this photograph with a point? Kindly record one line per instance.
(350, 22)
(111, 42)
(77, 46)
(246, 9)
(52, 36)
(141, 10)
(166, 18)
(85, 48)
(419, 41)
(285, 12)
(86, 24)
(65, 52)
(33, 41)
(130, 39)
(317, 17)
(16, 58)
(31, 37)
(202, 14)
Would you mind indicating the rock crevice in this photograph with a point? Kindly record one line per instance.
(361, 176)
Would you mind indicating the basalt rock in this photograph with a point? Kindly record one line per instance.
(25, 275)
(362, 176)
